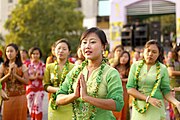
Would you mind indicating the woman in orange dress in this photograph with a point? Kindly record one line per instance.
(123, 67)
(14, 76)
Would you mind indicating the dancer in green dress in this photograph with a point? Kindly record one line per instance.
(94, 88)
(148, 83)
(54, 76)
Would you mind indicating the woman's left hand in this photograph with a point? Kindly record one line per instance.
(83, 87)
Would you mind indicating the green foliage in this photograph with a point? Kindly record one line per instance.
(42, 22)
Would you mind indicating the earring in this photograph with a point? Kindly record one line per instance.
(103, 52)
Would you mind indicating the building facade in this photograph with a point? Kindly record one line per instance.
(123, 12)
(6, 7)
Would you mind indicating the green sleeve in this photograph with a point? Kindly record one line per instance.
(165, 82)
(131, 81)
(46, 79)
(115, 90)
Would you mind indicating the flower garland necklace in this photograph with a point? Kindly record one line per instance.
(156, 84)
(80, 106)
(58, 83)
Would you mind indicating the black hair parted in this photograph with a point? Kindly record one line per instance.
(100, 33)
(63, 40)
(18, 61)
(31, 50)
(160, 48)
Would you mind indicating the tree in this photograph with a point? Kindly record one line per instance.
(42, 22)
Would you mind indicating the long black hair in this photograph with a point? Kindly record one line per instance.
(127, 65)
(18, 61)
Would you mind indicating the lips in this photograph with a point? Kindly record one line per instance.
(88, 52)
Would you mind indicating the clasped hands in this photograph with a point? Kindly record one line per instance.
(81, 88)
(36, 75)
(12, 69)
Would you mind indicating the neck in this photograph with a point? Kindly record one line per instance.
(35, 61)
(94, 63)
(122, 66)
(61, 61)
(12, 61)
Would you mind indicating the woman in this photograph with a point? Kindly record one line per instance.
(94, 88)
(34, 90)
(173, 64)
(148, 83)
(14, 76)
(24, 56)
(52, 57)
(123, 68)
(116, 53)
(55, 74)
(80, 57)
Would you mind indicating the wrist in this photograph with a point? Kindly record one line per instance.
(75, 96)
(85, 98)
(147, 98)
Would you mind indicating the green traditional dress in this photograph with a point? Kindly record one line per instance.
(109, 88)
(61, 112)
(145, 85)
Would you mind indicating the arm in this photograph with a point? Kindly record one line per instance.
(172, 72)
(107, 104)
(48, 85)
(171, 99)
(114, 99)
(63, 99)
(4, 78)
(131, 89)
(51, 89)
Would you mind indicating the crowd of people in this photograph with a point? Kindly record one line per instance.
(95, 86)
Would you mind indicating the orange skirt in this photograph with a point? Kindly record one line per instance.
(15, 108)
(124, 114)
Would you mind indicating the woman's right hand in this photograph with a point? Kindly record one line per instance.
(155, 102)
(4, 95)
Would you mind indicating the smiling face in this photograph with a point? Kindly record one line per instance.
(35, 56)
(92, 47)
(62, 51)
(151, 53)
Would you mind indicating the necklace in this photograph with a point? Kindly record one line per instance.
(58, 83)
(156, 84)
(82, 109)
